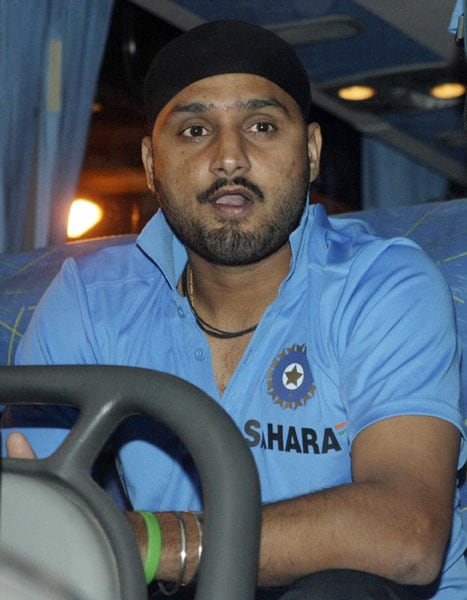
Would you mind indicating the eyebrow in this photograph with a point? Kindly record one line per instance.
(251, 104)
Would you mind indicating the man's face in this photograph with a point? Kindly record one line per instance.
(230, 160)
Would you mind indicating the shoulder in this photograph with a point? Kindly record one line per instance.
(112, 264)
(346, 250)
(343, 243)
(156, 257)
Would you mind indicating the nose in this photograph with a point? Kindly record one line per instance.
(230, 155)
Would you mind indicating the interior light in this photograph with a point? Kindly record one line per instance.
(447, 91)
(84, 214)
(356, 93)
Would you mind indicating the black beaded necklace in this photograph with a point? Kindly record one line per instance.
(187, 286)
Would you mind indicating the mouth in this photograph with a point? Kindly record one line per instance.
(233, 201)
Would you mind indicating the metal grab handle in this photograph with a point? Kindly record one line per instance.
(105, 396)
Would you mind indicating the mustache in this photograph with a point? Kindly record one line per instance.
(206, 196)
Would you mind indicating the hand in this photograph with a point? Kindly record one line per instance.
(17, 446)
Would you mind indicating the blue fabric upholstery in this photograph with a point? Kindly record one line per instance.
(440, 228)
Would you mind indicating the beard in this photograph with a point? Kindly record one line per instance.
(231, 244)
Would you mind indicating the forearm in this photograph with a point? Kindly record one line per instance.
(365, 526)
(171, 561)
(393, 520)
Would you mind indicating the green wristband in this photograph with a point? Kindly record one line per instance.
(154, 546)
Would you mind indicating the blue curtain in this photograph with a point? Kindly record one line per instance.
(460, 8)
(50, 55)
(390, 178)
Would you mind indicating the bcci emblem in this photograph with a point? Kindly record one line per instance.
(289, 380)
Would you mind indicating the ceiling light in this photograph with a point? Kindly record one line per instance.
(83, 215)
(448, 91)
(356, 93)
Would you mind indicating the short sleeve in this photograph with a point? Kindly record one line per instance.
(399, 353)
(61, 316)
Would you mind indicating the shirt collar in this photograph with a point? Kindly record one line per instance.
(158, 242)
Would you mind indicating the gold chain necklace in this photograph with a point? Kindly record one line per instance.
(188, 290)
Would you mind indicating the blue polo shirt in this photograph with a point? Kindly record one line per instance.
(362, 329)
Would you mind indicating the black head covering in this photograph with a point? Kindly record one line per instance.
(220, 47)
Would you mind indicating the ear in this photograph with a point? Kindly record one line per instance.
(148, 162)
(314, 144)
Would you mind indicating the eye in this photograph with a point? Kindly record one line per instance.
(194, 131)
(262, 127)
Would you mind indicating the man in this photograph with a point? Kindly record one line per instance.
(333, 350)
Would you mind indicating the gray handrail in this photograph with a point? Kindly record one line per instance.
(105, 396)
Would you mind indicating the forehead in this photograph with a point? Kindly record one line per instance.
(233, 91)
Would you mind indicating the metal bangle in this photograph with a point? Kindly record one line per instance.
(198, 516)
(181, 574)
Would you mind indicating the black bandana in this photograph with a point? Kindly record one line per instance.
(221, 47)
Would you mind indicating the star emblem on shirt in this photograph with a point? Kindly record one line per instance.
(293, 376)
(290, 380)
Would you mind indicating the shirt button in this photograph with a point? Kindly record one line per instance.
(199, 354)
(181, 312)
